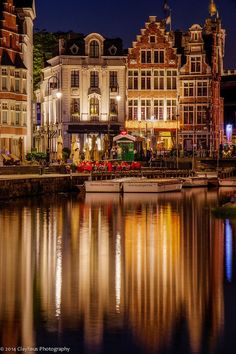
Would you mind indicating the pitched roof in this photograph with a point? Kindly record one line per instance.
(6, 60)
(19, 62)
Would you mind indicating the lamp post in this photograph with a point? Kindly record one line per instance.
(117, 98)
(52, 126)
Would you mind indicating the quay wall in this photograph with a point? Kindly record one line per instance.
(16, 187)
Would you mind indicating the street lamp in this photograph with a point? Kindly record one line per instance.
(117, 98)
(53, 126)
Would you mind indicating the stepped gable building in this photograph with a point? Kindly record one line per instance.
(152, 68)
(89, 72)
(16, 43)
(173, 85)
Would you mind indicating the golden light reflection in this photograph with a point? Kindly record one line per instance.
(145, 264)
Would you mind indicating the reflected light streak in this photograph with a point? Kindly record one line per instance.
(58, 277)
(228, 250)
(118, 272)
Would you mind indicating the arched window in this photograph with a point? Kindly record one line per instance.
(94, 107)
(94, 49)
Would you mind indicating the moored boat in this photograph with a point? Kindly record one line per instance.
(107, 186)
(227, 182)
(195, 182)
(151, 185)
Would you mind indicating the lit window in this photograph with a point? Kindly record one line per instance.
(133, 109)
(94, 106)
(202, 89)
(75, 107)
(113, 107)
(145, 109)
(159, 109)
(171, 109)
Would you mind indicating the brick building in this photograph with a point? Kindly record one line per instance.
(16, 45)
(173, 86)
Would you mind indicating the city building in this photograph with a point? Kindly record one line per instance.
(16, 56)
(82, 95)
(173, 85)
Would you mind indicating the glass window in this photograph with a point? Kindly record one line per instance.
(195, 64)
(146, 80)
(202, 89)
(75, 107)
(171, 109)
(201, 114)
(4, 83)
(158, 79)
(75, 78)
(17, 118)
(113, 80)
(113, 107)
(133, 109)
(188, 89)
(188, 114)
(152, 39)
(145, 109)
(159, 57)
(146, 56)
(171, 79)
(94, 79)
(94, 106)
(94, 49)
(159, 109)
(133, 80)
(17, 85)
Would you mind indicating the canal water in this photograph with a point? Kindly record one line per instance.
(110, 274)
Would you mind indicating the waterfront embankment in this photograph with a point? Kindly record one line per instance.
(16, 186)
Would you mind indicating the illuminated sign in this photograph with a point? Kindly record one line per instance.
(229, 132)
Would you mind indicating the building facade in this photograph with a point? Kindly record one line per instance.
(16, 46)
(173, 87)
(89, 74)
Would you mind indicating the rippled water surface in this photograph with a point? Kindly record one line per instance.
(110, 274)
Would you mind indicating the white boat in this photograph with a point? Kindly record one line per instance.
(104, 186)
(140, 185)
(227, 182)
(195, 182)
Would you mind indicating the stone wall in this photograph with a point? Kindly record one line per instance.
(32, 186)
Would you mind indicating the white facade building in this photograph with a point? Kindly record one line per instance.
(89, 73)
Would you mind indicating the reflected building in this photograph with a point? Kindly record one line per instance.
(152, 268)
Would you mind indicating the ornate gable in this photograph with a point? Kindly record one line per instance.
(152, 38)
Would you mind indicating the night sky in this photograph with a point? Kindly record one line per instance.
(124, 18)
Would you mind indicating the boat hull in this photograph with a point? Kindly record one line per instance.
(227, 182)
(193, 182)
(151, 186)
(103, 186)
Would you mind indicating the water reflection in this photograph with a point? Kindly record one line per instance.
(148, 269)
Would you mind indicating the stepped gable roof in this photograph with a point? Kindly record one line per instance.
(19, 62)
(6, 60)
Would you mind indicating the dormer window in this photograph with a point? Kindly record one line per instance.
(74, 49)
(94, 49)
(112, 50)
